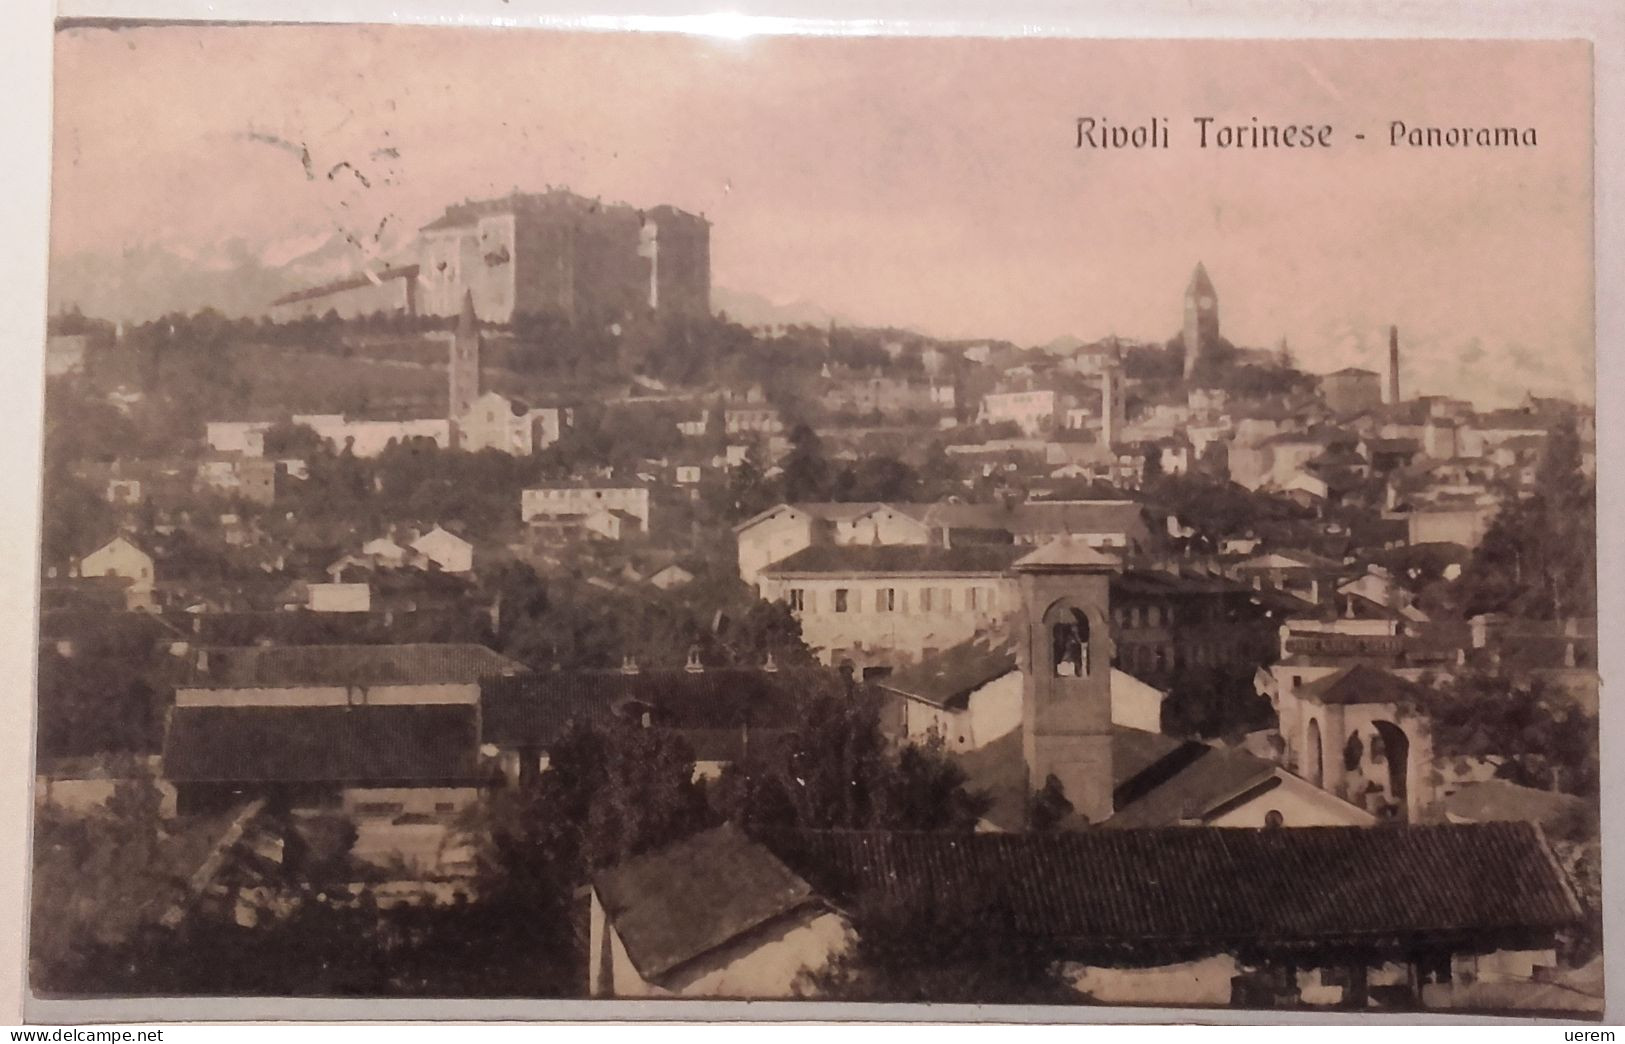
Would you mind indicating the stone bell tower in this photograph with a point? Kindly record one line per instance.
(1201, 330)
(463, 375)
(1066, 659)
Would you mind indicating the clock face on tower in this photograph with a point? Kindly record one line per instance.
(1204, 302)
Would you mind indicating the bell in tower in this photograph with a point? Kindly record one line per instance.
(1066, 669)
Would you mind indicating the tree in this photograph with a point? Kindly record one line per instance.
(1538, 558)
(1547, 739)
(837, 771)
(292, 440)
(876, 478)
(943, 948)
(609, 793)
(806, 471)
(1153, 464)
(1214, 701)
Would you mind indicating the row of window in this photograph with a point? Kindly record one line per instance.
(1162, 656)
(1158, 616)
(893, 600)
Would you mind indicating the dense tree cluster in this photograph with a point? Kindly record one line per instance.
(611, 792)
(1539, 557)
(1548, 740)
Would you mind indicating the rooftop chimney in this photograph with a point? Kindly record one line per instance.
(629, 665)
(771, 666)
(694, 666)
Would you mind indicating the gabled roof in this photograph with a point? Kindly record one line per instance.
(1362, 684)
(534, 710)
(1289, 558)
(117, 538)
(336, 744)
(1213, 778)
(439, 535)
(682, 901)
(999, 768)
(1070, 554)
(948, 678)
(823, 510)
(1208, 888)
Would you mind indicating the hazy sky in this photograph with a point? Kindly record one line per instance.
(925, 183)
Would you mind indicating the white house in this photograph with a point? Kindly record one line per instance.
(368, 438)
(713, 915)
(244, 437)
(121, 558)
(1032, 411)
(553, 501)
(494, 421)
(447, 550)
(340, 598)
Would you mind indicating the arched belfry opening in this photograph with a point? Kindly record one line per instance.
(1392, 746)
(1069, 644)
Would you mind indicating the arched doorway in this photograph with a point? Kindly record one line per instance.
(1313, 766)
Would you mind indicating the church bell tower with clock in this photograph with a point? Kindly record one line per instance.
(1201, 330)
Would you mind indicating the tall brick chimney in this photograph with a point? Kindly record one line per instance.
(1393, 365)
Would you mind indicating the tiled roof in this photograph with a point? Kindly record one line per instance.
(1500, 799)
(1068, 553)
(350, 665)
(535, 710)
(1212, 778)
(1212, 887)
(999, 769)
(904, 559)
(948, 678)
(355, 744)
(104, 627)
(1362, 684)
(1031, 519)
(680, 902)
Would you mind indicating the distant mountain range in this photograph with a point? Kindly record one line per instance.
(235, 277)
(751, 309)
(240, 278)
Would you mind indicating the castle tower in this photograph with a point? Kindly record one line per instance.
(1393, 365)
(1066, 660)
(464, 371)
(1201, 331)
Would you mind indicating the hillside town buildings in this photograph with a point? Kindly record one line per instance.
(1206, 614)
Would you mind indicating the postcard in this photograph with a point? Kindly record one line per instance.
(577, 517)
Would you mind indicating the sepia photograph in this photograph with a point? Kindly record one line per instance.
(594, 516)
